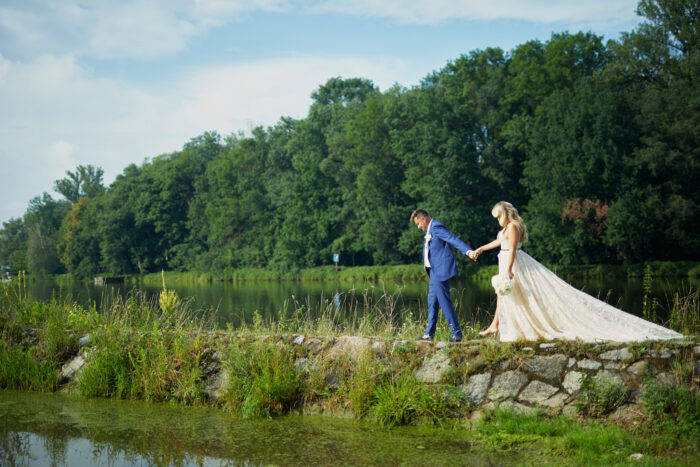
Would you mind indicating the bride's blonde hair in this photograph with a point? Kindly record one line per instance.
(507, 209)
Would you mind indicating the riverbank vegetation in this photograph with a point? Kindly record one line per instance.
(161, 351)
(596, 142)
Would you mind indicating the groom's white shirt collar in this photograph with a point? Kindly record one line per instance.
(426, 259)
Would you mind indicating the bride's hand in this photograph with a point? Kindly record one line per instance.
(510, 275)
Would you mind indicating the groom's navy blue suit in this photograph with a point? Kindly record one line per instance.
(442, 268)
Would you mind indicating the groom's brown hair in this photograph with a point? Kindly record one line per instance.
(419, 213)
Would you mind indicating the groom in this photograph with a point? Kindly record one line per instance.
(439, 263)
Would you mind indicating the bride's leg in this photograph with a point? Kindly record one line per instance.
(493, 327)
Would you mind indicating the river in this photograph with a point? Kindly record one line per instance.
(232, 302)
(54, 429)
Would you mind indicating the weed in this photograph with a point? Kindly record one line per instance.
(397, 400)
(600, 397)
(262, 380)
(363, 381)
(18, 370)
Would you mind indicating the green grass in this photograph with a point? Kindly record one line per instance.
(262, 380)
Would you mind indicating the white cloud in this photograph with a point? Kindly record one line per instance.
(62, 115)
(108, 29)
(435, 11)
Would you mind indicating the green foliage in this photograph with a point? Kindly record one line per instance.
(402, 400)
(20, 370)
(262, 380)
(674, 411)
(366, 375)
(600, 397)
(397, 401)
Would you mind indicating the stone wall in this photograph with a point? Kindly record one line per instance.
(484, 373)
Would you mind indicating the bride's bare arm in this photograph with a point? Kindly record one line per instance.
(512, 235)
(488, 246)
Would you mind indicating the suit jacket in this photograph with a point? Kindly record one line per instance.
(442, 261)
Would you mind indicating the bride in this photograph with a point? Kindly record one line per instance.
(543, 306)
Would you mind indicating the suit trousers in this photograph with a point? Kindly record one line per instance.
(439, 296)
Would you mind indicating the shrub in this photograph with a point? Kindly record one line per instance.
(674, 410)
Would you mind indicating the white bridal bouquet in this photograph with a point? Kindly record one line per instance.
(502, 284)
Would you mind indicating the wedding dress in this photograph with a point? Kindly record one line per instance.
(543, 306)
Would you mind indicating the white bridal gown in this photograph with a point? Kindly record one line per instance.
(543, 306)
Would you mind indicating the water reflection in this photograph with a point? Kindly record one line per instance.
(235, 302)
(55, 429)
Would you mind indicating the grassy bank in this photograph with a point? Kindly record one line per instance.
(159, 351)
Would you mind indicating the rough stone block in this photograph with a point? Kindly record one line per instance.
(69, 369)
(517, 407)
(547, 368)
(572, 362)
(477, 387)
(507, 385)
(298, 340)
(665, 353)
(573, 381)
(537, 392)
(638, 368)
(353, 346)
(612, 365)
(557, 400)
(433, 369)
(216, 385)
(314, 345)
(608, 377)
(617, 354)
(589, 364)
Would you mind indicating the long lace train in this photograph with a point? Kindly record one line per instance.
(543, 306)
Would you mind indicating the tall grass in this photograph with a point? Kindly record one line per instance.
(262, 380)
(146, 351)
(684, 315)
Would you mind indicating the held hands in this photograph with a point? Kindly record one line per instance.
(474, 254)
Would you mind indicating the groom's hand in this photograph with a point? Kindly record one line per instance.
(471, 254)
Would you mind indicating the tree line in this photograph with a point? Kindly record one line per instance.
(598, 145)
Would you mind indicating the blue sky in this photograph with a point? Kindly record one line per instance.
(109, 82)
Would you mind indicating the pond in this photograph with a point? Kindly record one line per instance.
(232, 302)
(55, 429)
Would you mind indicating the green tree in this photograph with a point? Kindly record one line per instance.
(86, 181)
(659, 65)
(43, 220)
(13, 245)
